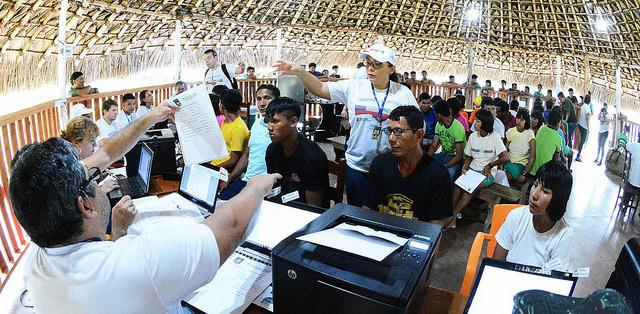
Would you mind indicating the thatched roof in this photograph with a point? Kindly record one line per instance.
(517, 40)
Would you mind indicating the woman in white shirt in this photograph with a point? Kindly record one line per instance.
(485, 152)
(521, 145)
(537, 234)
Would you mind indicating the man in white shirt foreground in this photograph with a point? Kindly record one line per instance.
(74, 270)
(106, 124)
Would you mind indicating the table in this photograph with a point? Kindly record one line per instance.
(338, 143)
(159, 186)
(438, 302)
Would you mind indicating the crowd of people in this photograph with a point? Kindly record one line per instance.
(403, 156)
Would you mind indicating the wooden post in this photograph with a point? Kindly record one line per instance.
(177, 48)
(380, 39)
(469, 74)
(558, 74)
(618, 126)
(278, 44)
(62, 61)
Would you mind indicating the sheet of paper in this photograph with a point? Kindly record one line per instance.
(153, 210)
(470, 181)
(501, 178)
(274, 222)
(119, 171)
(200, 136)
(265, 299)
(237, 283)
(356, 241)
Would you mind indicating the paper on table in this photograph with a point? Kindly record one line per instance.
(470, 181)
(200, 136)
(236, 284)
(359, 240)
(265, 299)
(119, 171)
(501, 178)
(153, 210)
(274, 222)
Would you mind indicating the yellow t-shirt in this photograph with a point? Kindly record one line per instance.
(519, 150)
(236, 137)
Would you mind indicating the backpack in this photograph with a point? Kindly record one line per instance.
(234, 82)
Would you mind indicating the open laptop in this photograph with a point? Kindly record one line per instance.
(497, 282)
(137, 186)
(199, 185)
(247, 273)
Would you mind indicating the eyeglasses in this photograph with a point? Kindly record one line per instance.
(374, 64)
(396, 132)
(94, 172)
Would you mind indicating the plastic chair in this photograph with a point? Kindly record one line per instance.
(500, 213)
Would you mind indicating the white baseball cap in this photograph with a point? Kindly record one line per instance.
(78, 110)
(380, 53)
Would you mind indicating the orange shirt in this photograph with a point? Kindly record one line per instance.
(464, 114)
(473, 115)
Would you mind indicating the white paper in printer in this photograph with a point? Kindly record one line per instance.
(359, 240)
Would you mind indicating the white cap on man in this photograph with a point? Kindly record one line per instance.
(380, 53)
(79, 110)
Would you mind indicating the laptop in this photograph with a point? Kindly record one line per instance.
(137, 186)
(199, 185)
(247, 273)
(497, 282)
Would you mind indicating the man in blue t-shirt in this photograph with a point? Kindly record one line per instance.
(430, 119)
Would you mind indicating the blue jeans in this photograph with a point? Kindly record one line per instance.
(357, 186)
(454, 171)
(572, 131)
(232, 190)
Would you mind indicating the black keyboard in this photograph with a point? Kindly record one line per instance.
(133, 190)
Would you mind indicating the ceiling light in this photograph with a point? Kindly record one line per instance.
(473, 14)
(602, 25)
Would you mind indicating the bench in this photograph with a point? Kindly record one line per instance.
(495, 194)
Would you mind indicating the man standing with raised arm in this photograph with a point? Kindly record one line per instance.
(368, 103)
(220, 73)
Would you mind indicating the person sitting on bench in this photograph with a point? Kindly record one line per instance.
(485, 152)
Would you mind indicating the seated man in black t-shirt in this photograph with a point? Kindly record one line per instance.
(301, 162)
(407, 182)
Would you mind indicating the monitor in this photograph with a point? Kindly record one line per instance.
(199, 184)
(497, 282)
(144, 166)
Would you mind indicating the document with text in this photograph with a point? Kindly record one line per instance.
(470, 180)
(200, 135)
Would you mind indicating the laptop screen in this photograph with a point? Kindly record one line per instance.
(274, 222)
(200, 183)
(498, 282)
(144, 166)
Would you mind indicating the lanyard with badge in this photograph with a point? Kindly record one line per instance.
(378, 128)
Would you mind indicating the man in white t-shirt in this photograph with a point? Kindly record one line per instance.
(632, 185)
(583, 124)
(126, 116)
(107, 124)
(146, 103)
(369, 102)
(73, 269)
(220, 73)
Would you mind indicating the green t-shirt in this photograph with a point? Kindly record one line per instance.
(450, 136)
(73, 92)
(548, 142)
(568, 105)
(623, 139)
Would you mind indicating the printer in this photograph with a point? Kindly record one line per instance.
(310, 278)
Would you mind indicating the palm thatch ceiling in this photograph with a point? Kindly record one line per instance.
(515, 39)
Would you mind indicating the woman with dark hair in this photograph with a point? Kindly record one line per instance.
(485, 152)
(537, 234)
(537, 120)
(521, 145)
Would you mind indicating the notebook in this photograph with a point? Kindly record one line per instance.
(497, 282)
(137, 186)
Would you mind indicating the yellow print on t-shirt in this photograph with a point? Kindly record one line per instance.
(398, 205)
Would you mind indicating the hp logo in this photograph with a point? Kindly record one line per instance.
(292, 274)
